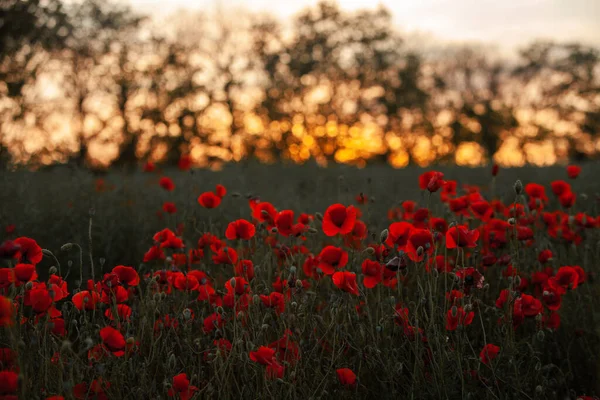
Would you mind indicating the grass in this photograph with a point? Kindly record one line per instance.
(393, 354)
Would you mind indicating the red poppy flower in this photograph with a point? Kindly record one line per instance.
(209, 200)
(185, 283)
(573, 171)
(559, 187)
(461, 236)
(245, 268)
(438, 225)
(482, 210)
(220, 191)
(225, 255)
(274, 300)
(346, 376)
(566, 278)
(419, 239)
(7, 312)
(373, 273)
(185, 162)
(181, 387)
(240, 229)
(284, 222)
(173, 242)
(169, 207)
(29, 251)
(155, 253)
(213, 321)
(339, 219)
(544, 256)
(346, 281)
(263, 211)
(489, 352)
(39, 298)
(331, 259)
(166, 183)
(9, 249)
(458, 316)
(123, 311)
(495, 169)
(113, 340)
(536, 191)
(528, 305)
(264, 355)
(9, 384)
(149, 166)
(25, 273)
(126, 275)
(432, 181)
(567, 199)
(361, 198)
(398, 234)
(85, 300)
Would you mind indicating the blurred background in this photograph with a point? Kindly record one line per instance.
(113, 83)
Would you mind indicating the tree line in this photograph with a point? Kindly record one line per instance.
(93, 77)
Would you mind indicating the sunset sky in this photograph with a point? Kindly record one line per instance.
(507, 23)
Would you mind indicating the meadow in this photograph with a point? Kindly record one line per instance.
(291, 281)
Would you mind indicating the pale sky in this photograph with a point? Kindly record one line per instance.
(506, 23)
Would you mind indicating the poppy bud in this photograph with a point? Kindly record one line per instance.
(420, 251)
(130, 340)
(486, 287)
(66, 346)
(512, 221)
(52, 270)
(539, 389)
(172, 361)
(220, 310)
(384, 235)
(187, 314)
(256, 299)
(453, 311)
(29, 285)
(369, 250)
(232, 282)
(236, 194)
(468, 307)
(541, 335)
(372, 199)
(66, 247)
(88, 343)
(265, 327)
(518, 187)
(319, 216)
(312, 231)
(274, 230)
(293, 270)
(298, 283)
(293, 304)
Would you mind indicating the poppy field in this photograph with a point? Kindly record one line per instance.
(300, 282)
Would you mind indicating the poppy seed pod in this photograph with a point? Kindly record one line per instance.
(512, 221)
(274, 229)
(518, 187)
(293, 270)
(540, 336)
(187, 314)
(130, 340)
(52, 270)
(65, 346)
(319, 216)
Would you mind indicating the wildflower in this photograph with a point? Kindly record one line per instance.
(209, 200)
(181, 387)
(149, 166)
(220, 191)
(264, 355)
(7, 312)
(339, 219)
(457, 316)
(419, 239)
(573, 171)
(488, 353)
(29, 251)
(346, 376)
(185, 162)
(460, 236)
(432, 181)
(240, 229)
(166, 183)
(126, 275)
(113, 340)
(169, 207)
(332, 258)
(274, 300)
(9, 384)
(346, 281)
(373, 273)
